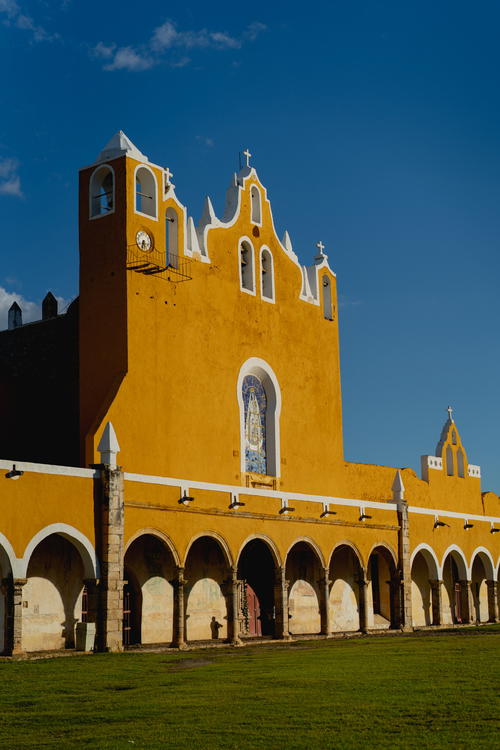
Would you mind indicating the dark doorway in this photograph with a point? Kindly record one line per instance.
(132, 612)
(256, 568)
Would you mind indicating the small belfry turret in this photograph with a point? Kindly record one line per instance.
(450, 458)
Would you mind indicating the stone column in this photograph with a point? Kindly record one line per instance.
(397, 596)
(179, 610)
(492, 601)
(467, 606)
(324, 602)
(363, 604)
(281, 605)
(402, 602)
(92, 586)
(436, 601)
(231, 592)
(110, 621)
(14, 615)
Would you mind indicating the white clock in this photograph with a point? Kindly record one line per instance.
(143, 241)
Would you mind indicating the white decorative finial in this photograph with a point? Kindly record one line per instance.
(247, 154)
(398, 488)
(108, 446)
(168, 176)
(320, 247)
(450, 414)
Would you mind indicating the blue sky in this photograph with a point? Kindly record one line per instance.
(375, 127)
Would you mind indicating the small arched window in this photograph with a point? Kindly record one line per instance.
(247, 276)
(145, 192)
(266, 275)
(449, 461)
(102, 192)
(460, 463)
(327, 298)
(172, 236)
(255, 201)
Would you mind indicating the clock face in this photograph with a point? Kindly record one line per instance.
(143, 241)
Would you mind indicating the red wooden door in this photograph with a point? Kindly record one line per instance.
(254, 623)
(458, 602)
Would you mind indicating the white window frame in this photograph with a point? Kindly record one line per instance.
(141, 213)
(96, 170)
(241, 242)
(272, 298)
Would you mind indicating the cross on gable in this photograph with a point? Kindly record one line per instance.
(168, 175)
(247, 155)
(320, 247)
(450, 413)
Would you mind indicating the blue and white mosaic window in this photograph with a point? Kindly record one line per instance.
(255, 403)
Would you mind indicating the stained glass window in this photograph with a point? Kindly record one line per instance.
(255, 403)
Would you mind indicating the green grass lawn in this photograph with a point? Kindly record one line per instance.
(425, 691)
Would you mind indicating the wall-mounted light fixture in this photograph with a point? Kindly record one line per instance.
(185, 499)
(285, 508)
(14, 473)
(327, 511)
(438, 523)
(363, 516)
(235, 502)
(468, 525)
(493, 530)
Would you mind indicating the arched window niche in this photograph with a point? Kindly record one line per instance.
(327, 298)
(266, 275)
(449, 461)
(102, 192)
(172, 237)
(460, 463)
(259, 399)
(145, 192)
(247, 273)
(256, 205)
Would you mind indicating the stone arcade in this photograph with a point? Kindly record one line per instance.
(172, 446)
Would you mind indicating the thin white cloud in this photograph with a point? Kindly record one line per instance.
(10, 182)
(126, 58)
(205, 141)
(167, 39)
(14, 16)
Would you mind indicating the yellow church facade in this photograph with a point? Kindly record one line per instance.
(198, 491)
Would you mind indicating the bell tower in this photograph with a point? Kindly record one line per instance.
(106, 198)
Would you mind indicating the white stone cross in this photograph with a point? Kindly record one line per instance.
(320, 247)
(168, 175)
(450, 413)
(248, 155)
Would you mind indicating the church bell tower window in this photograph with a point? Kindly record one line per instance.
(247, 276)
(267, 275)
(145, 192)
(102, 192)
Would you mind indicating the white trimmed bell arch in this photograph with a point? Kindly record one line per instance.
(430, 558)
(72, 535)
(264, 372)
(460, 561)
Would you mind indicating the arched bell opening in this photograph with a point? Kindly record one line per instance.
(383, 591)
(303, 572)
(423, 571)
(52, 595)
(206, 571)
(148, 598)
(256, 573)
(346, 576)
(455, 589)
